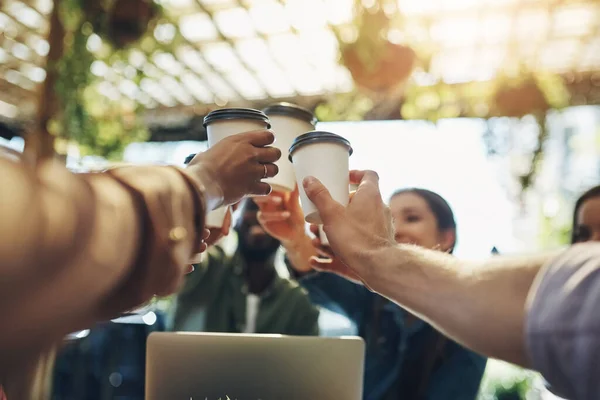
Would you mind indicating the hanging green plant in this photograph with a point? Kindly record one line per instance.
(128, 20)
(442, 100)
(344, 107)
(535, 94)
(374, 61)
(108, 132)
(529, 93)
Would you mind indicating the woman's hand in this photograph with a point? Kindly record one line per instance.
(328, 262)
(281, 216)
(234, 167)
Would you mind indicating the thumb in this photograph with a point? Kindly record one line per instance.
(321, 198)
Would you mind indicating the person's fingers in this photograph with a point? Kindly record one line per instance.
(335, 267)
(368, 191)
(215, 235)
(266, 217)
(267, 154)
(261, 189)
(271, 200)
(258, 138)
(272, 170)
(320, 196)
(323, 251)
(357, 176)
(293, 199)
(330, 265)
(316, 241)
(314, 229)
(270, 203)
(321, 264)
(226, 226)
(227, 221)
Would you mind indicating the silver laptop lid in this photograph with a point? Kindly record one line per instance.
(199, 366)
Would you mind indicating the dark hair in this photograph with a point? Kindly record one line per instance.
(590, 194)
(439, 207)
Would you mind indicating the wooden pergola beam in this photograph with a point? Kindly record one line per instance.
(40, 142)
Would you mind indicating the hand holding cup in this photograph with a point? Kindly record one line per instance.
(362, 227)
(237, 164)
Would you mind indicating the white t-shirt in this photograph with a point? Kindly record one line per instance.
(252, 306)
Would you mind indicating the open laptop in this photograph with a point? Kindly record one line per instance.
(199, 366)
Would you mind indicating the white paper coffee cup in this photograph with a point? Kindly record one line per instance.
(288, 121)
(223, 123)
(197, 258)
(323, 236)
(216, 218)
(325, 156)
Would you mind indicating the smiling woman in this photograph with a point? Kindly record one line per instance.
(447, 158)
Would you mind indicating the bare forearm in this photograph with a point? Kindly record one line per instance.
(478, 304)
(69, 242)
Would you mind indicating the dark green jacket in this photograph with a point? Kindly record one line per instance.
(214, 300)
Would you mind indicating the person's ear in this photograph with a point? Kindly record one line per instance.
(447, 240)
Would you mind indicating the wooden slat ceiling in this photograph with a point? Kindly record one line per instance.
(255, 51)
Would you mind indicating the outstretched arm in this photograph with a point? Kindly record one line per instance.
(478, 304)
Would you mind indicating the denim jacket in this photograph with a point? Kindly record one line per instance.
(392, 348)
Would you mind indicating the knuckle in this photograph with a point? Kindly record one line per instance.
(252, 155)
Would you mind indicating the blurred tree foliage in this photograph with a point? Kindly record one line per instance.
(517, 390)
(344, 107)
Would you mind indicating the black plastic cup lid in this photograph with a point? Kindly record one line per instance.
(236, 113)
(318, 137)
(291, 110)
(189, 158)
